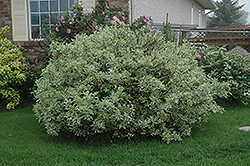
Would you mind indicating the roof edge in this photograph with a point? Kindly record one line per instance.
(207, 4)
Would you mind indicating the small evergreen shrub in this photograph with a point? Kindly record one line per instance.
(124, 82)
(12, 68)
(231, 67)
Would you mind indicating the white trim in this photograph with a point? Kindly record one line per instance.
(19, 20)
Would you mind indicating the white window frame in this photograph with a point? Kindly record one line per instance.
(40, 13)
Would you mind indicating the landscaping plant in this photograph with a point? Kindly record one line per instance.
(231, 67)
(12, 67)
(125, 82)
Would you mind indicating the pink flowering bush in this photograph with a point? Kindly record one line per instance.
(142, 21)
(76, 21)
(201, 56)
(230, 67)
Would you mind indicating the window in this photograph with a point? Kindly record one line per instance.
(47, 11)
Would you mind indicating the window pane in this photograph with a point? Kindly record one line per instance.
(34, 6)
(35, 32)
(54, 17)
(34, 19)
(44, 6)
(71, 3)
(63, 4)
(54, 5)
(44, 32)
(44, 18)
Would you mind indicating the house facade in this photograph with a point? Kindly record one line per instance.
(24, 17)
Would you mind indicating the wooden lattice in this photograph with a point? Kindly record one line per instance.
(229, 37)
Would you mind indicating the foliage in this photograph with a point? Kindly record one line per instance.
(228, 14)
(231, 67)
(76, 21)
(12, 66)
(124, 82)
(141, 22)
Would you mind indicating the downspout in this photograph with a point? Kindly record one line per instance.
(130, 12)
(192, 13)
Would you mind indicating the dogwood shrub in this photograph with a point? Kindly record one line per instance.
(12, 67)
(124, 82)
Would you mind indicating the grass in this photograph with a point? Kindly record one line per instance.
(218, 141)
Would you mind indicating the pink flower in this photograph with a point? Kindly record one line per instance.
(113, 22)
(204, 57)
(145, 20)
(57, 29)
(70, 22)
(106, 16)
(36, 60)
(202, 52)
(198, 56)
(200, 61)
(63, 55)
(96, 27)
(42, 63)
(74, 6)
(154, 31)
(68, 30)
(72, 19)
(103, 13)
(116, 19)
(106, 5)
(123, 18)
(121, 22)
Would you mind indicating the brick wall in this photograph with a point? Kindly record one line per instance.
(124, 4)
(5, 15)
(32, 49)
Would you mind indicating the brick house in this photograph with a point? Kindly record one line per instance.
(25, 16)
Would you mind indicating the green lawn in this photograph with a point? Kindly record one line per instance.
(23, 141)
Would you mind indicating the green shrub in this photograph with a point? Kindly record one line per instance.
(231, 67)
(125, 82)
(12, 66)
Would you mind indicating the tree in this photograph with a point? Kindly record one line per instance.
(243, 19)
(229, 13)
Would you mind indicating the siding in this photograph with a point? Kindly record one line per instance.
(179, 11)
